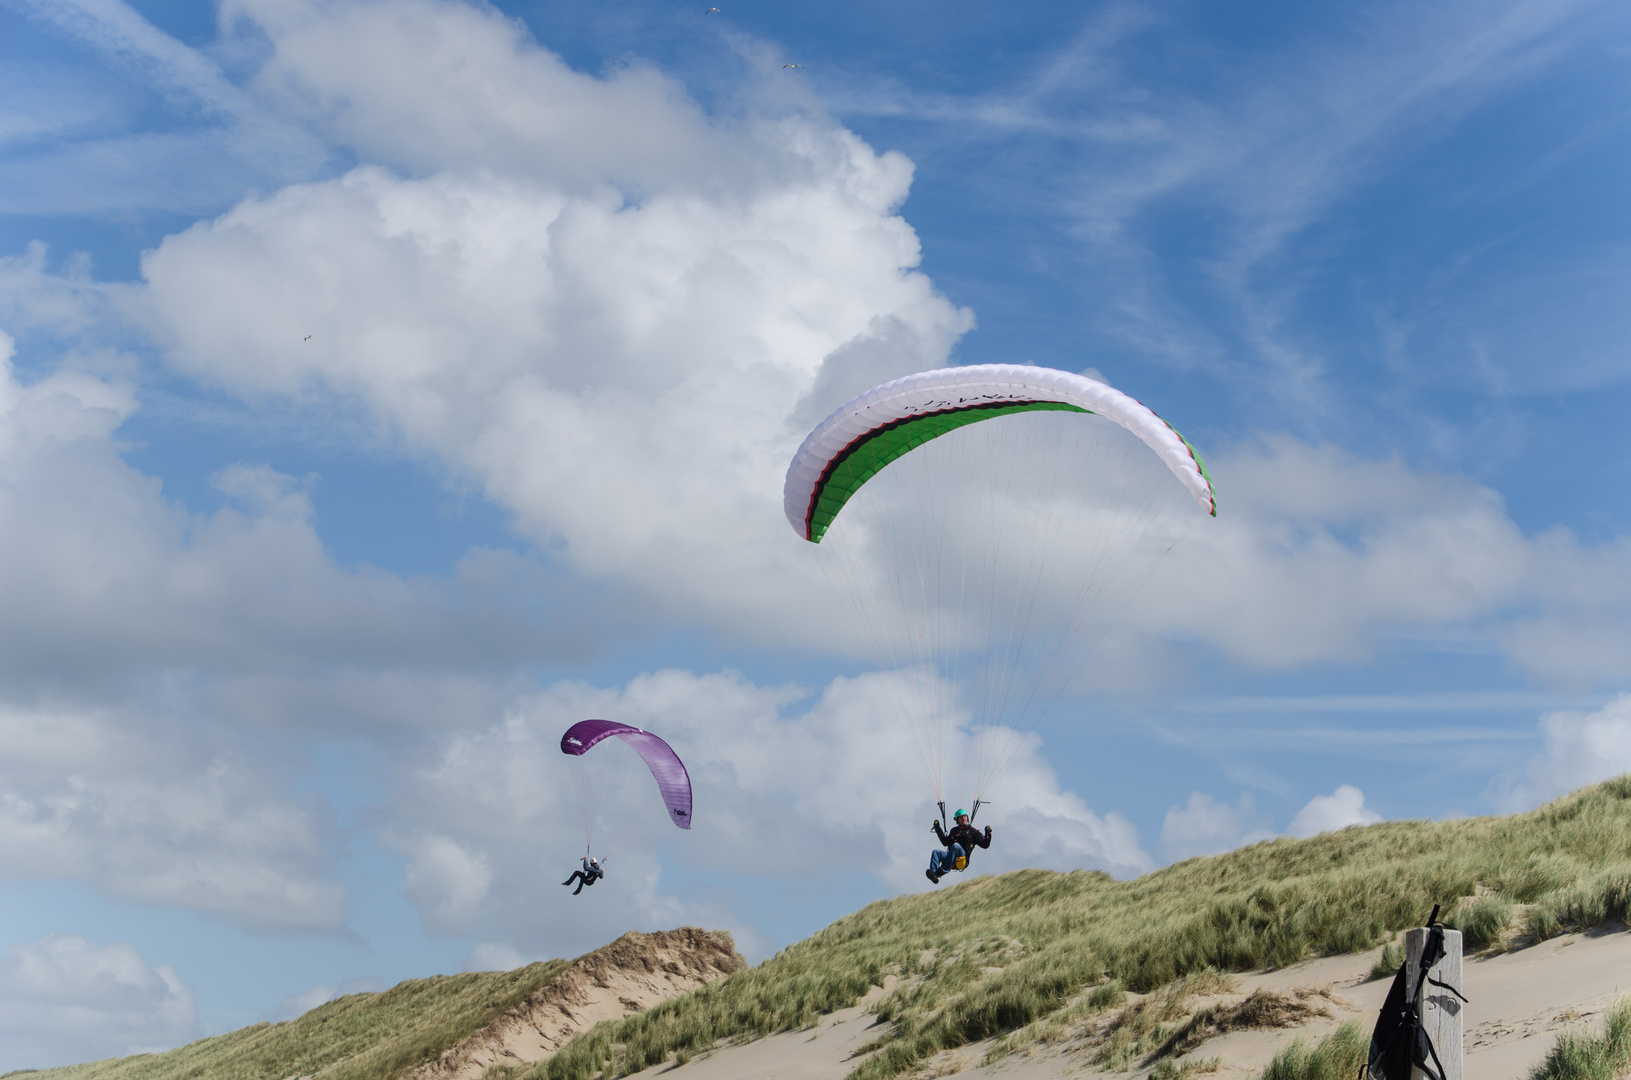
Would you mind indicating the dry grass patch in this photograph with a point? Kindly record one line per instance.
(1067, 1023)
(1145, 1027)
(1263, 1009)
(1173, 1069)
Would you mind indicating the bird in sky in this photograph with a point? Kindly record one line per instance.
(713, 11)
(792, 65)
(306, 338)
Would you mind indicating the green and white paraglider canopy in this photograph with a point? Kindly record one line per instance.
(890, 420)
(982, 564)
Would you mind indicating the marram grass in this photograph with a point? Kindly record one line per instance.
(1060, 935)
(1338, 1056)
(1482, 922)
(1579, 1056)
(1388, 962)
(359, 1037)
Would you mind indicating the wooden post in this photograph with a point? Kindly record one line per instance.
(1440, 1009)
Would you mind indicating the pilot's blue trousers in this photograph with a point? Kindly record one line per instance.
(944, 861)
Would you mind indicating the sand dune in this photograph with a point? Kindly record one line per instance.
(632, 973)
(1520, 1000)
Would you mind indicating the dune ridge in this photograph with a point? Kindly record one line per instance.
(633, 973)
(445, 1026)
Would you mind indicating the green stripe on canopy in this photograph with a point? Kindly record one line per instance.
(872, 451)
(1201, 465)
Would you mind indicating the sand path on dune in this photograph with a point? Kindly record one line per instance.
(1519, 1002)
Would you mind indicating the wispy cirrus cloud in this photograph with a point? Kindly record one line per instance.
(1211, 183)
(103, 157)
(120, 31)
(1441, 702)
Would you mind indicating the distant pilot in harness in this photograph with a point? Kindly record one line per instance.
(957, 845)
(590, 874)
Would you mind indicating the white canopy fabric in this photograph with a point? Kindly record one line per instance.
(893, 418)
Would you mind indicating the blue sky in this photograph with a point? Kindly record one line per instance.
(291, 623)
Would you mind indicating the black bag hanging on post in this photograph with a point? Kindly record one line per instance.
(1399, 1040)
(1389, 1043)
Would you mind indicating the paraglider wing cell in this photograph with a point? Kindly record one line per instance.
(862, 436)
(665, 765)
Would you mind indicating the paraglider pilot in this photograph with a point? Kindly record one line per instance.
(590, 874)
(958, 845)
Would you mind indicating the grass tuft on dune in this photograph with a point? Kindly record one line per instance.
(1578, 1056)
(1338, 1056)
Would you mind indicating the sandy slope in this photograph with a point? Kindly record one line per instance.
(632, 973)
(1519, 1001)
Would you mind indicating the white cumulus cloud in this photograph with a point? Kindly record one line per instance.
(154, 662)
(1206, 826)
(1326, 813)
(616, 314)
(65, 998)
(129, 805)
(786, 787)
(1317, 548)
(614, 341)
(1578, 748)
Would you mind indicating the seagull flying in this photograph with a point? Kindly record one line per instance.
(792, 65)
(306, 338)
(713, 11)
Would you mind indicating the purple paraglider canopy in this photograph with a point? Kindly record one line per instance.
(672, 779)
